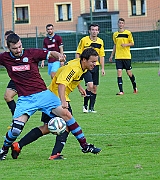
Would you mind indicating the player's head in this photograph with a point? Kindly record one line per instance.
(121, 23)
(89, 57)
(14, 44)
(49, 29)
(8, 33)
(93, 30)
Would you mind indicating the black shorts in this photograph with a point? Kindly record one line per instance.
(11, 85)
(45, 118)
(123, 64)
(92, 76)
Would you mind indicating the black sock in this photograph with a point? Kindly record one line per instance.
(86, 99)
(92, 101)
(120, 83)
(12, 106)
(133, 81)
(60, 142)
(33, 135)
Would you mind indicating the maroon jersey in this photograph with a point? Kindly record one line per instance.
(24, 70)
(52, 44)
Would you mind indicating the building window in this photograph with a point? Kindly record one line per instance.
(100, 5)
(21, 15)
(138, 7)
(64, 12)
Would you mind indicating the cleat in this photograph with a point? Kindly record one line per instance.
(92, 111)
(135, 91)
(58, 156)
(3, 154)
(15, 150)
(91, 148)
(85, 110)
(120, 93)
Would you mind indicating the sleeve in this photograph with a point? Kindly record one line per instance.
(114, 39)
(44, 44)
(131, 37)
(66, 76)
(102, 53)
(80, 47)
(39, 54)
(60, 42)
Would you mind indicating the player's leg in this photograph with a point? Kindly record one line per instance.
(95, 78)
(119, 67)
(9, 95)
(89, 83)
(12, 134)
(131, 76)
(54, 68)
(76, 130)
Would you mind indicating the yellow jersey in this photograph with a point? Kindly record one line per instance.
(70, 75)
(86, 42)
(119, 38)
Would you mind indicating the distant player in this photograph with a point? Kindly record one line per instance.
(92, 77)
(52, 42)
(123, 40)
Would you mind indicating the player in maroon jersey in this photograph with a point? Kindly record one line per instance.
(52, 42)
(22, 67)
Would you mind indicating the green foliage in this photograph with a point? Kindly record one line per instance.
(127, 128)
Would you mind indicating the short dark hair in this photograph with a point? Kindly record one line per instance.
(12, 38)
(88, 52)
(94, 25)
(8, 32)
(121, 19)
(48, 25)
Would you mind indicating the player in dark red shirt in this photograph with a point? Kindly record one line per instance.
(22, 68)
(52, 42)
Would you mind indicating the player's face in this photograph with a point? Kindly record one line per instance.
(91, 63)
(50, 30)
(121, 24)
(16, 49)
(94, 31)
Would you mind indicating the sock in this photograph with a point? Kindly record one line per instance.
(76, 131)
(120, 83)
(86, 99)
(60, 142)
(33, 135)
(13, 133)
(12, 106)
(92, 101)
(133, 81)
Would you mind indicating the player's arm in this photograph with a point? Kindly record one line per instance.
(57, 55)
(61, 52)
(102, 65)
(113, 52)
(61, 92)
(81, 90)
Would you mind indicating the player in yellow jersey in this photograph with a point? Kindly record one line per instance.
(92, 76)
(123, 40)
(66, 79)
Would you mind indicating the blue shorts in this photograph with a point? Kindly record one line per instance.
(43, 101)
(53, 67)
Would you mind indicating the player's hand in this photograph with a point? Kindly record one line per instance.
(42, 64)
(110, 59)
(61, 63)
(65, 105)
(83, 92)
(62, 57)
(103, 72)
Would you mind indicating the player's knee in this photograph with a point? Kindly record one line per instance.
(44, 129)
(17, 127)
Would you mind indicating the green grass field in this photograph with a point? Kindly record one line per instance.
(127, 128)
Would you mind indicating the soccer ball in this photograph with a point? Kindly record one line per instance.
(57, 125)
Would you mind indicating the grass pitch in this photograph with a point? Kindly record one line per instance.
(127, 128)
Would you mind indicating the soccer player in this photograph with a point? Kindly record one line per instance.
(123, 40)
(64, 82)
(92, 76)
(52, 42)
(22, 67)
(11, 89)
